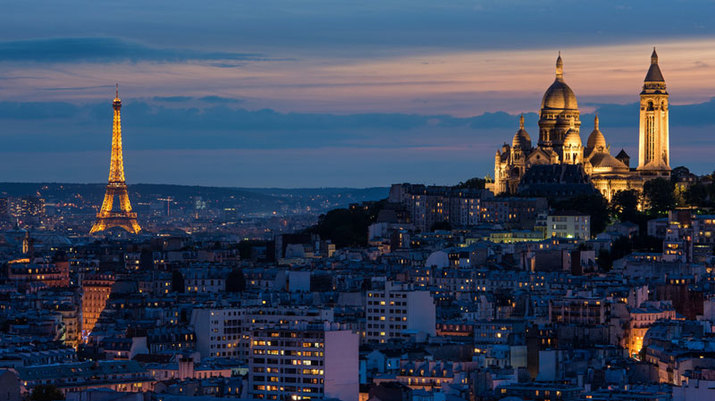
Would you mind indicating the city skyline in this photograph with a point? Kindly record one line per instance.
(411, 107)
(401, 200)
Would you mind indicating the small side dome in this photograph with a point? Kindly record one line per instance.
(596, 140)
(572, 137)
(521, 140)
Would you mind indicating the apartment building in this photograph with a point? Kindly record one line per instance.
(396, 311)
(304, 362)
(225, 331)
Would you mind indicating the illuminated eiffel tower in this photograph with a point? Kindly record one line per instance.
(109, 216)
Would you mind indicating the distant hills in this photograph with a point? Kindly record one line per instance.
(248, 199)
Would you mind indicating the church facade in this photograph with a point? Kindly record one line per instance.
(559, 141)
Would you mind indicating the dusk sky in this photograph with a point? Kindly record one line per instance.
(320, 93)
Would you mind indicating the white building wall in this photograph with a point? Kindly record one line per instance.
(404, 310)
(421, 312)
(200, 319)
(341, 365)
(219, 332)
(695, 390)
(569, 226)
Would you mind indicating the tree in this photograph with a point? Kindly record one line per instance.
(344, 227)
(441, 225)
(660, 195)
(696, 195)
(348, 227)
(473, 183)
(177, 282)
(646, 243)
(321, 282)
(624, 204)
(246, 247)
(146, 260)
(236, 281)
(620, 248)
(604, 260)
(46, 392)
(594, 205)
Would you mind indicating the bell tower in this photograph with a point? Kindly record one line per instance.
(653, 136)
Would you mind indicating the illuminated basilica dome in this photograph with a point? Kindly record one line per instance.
(559, 96)
(560, 145)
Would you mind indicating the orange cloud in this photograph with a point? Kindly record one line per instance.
(458, 83)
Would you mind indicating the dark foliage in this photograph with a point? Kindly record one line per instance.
(347, 227)
(645, 243)
(594, 205)
(146, 260)
(46, 392)
(699, 195)
(344, 227)
(245, 248)
(472, 183)
(177, 282)
(321, 282)
(660, 195)
(236, 281)
(624, 246)
(604, 260)
(621, 247)
(624, 205)
(441, 225)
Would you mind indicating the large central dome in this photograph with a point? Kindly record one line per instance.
(559, 96)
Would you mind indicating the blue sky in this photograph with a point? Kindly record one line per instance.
(325, 93)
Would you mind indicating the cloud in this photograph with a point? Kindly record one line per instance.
(102, 50)
(37, 110)
(178, 122)
(627, 115)
(78, 88)
(172, 99)
(330, 148)
(205, 99)
(692, 114)
(219, 99)
(340, 27)
(500, 119)
(321, 167)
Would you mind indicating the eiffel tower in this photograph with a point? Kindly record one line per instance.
(108, 216)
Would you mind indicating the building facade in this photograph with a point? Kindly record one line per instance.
(569, 225)
(95, 293)
(225, 331)
(428, 205)
(395, 312)
(304, 362)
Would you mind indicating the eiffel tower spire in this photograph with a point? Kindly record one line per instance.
(117, 187)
